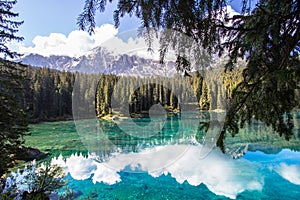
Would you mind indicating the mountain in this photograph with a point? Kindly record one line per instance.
(100, 60)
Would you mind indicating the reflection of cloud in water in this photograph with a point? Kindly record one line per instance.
(221, 174)
(289, 172)
(81, 168)
(105, 175)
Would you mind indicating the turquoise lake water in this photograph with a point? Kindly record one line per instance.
(256, 176)
(102, 160)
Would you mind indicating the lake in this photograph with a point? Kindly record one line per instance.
(171, 157)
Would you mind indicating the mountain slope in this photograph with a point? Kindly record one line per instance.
(100, 60)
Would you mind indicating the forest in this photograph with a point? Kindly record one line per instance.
(138, 94)
(265, 90)
(47, 94)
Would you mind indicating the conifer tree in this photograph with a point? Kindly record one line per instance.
(13, 121)
(8, 28)
(268, 36)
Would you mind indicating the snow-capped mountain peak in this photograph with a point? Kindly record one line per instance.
(100, 60)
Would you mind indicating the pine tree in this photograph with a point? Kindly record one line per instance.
(13, 121)
(8, 28)
(204, 102)
(267, 36)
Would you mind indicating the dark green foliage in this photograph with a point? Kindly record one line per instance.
(137, 100)
(51, 95)
(41, 93)
(184, 16)
(216, 87)
(47, 95)
(8, 28)
(13, 121)
(38, 182)
(268, 37)
(48, 180)
(104, 94)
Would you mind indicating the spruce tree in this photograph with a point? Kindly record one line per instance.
(268, 36)
(13, 121)
(8, 28)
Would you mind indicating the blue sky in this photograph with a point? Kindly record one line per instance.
(42, 17)
(50, 23)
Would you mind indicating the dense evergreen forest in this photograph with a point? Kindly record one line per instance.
(48, 93)
(47, 96)
(139, 94)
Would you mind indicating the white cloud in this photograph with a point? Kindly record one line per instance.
(221, 174)
(104, 33)
(75, 44)
(105, 175)
(289, 172)
(78, 43)
(80, 168)
(136, 46)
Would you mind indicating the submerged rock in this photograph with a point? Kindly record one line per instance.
(53, 196)
(77, 193)
(30, 153)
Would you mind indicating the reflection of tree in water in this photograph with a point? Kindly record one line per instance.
(129, 143)
(257, 133)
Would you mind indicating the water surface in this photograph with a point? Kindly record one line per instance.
(172, 163)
